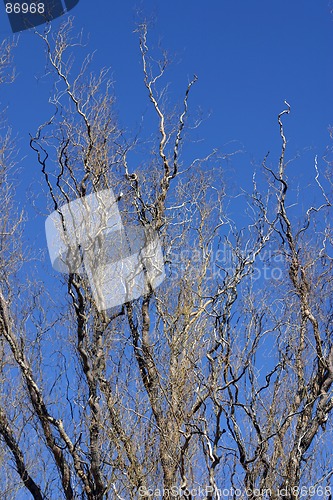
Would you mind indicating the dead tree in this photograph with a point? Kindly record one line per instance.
(217, 383)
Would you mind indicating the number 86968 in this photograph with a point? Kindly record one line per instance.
(25, 8)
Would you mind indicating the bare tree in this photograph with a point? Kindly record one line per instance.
(218, 383)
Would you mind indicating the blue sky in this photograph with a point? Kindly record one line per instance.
(248, 56)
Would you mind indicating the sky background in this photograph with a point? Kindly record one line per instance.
(249, 57)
